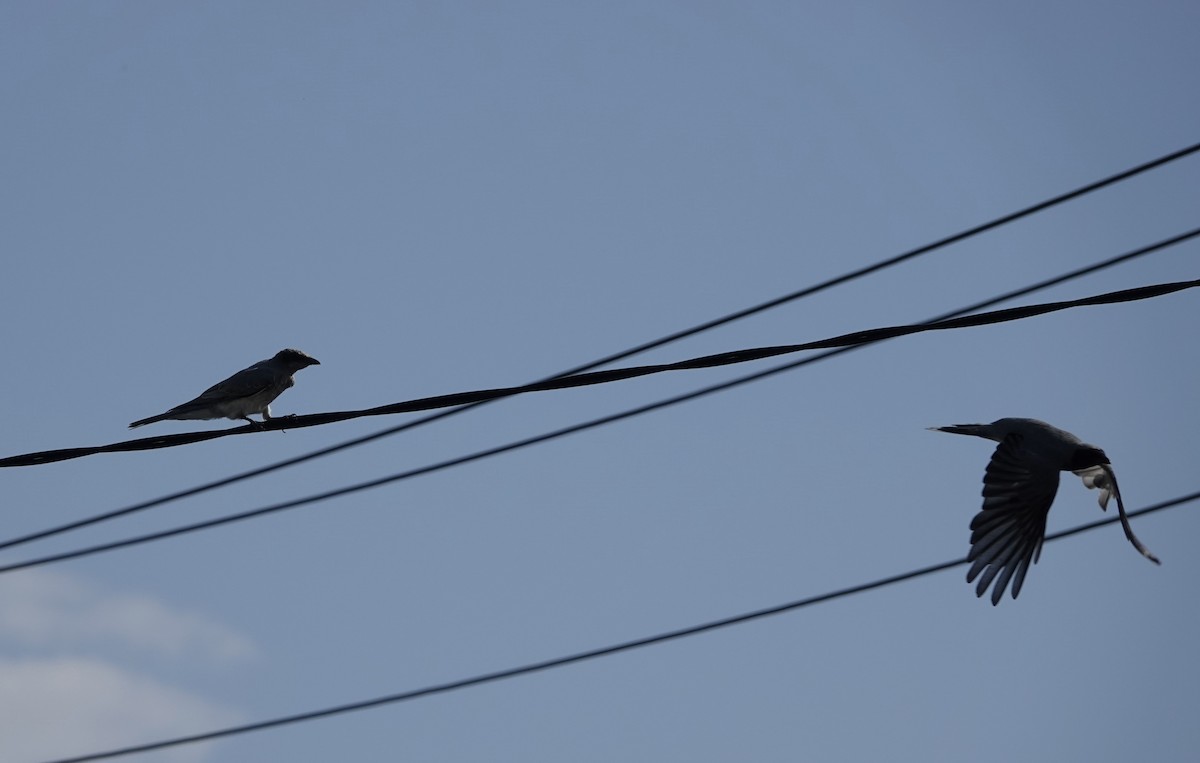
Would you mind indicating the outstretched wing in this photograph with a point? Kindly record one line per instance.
(1007, 533)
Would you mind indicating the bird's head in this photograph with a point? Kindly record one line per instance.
(296, 359)
(1087, 456)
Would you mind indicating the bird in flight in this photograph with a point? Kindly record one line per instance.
(1018, 488)
(250, 390)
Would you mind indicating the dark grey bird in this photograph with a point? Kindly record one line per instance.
(250, 390)
(1018, 488)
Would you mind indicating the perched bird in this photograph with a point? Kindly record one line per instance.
(250, 390)
(1018, 488)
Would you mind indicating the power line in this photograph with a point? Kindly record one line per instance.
(1041, 285)
(558, 662)
(808, 291)
(843, 344)
(896, 260)
(606, 377)
(147, 443)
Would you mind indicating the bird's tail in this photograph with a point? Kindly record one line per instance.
(979, 430)
(151, 420)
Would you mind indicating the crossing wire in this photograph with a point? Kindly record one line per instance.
(591, 654)
(46, 457)
(477, 397)
(842, 344)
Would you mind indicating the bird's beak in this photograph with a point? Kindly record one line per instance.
(314, 362)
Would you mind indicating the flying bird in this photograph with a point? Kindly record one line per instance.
(250, 390)
(1018, 488)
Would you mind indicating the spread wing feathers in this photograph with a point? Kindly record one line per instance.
(1007, 533)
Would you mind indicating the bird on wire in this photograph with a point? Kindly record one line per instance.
(1018, 489)
(250, 390)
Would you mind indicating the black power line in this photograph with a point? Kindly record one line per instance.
(605, 377)
(558, 662)
(896, 260)
(805, 292)
(1071, 275)
(843, 344)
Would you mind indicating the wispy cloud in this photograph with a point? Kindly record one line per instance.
(57, 707)
(73, 692)
(54, 611)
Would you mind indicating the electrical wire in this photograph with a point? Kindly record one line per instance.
(843, 344)
(558, 662)
(1063, 278)
(587, 379)
(798, 294)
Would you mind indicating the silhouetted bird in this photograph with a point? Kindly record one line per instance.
(1018, 488)
(250, 390)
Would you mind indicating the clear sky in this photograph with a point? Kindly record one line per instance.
(436, 197)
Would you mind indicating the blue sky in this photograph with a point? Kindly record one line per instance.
(432, 198)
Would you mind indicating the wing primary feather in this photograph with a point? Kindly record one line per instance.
(1007, 533)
